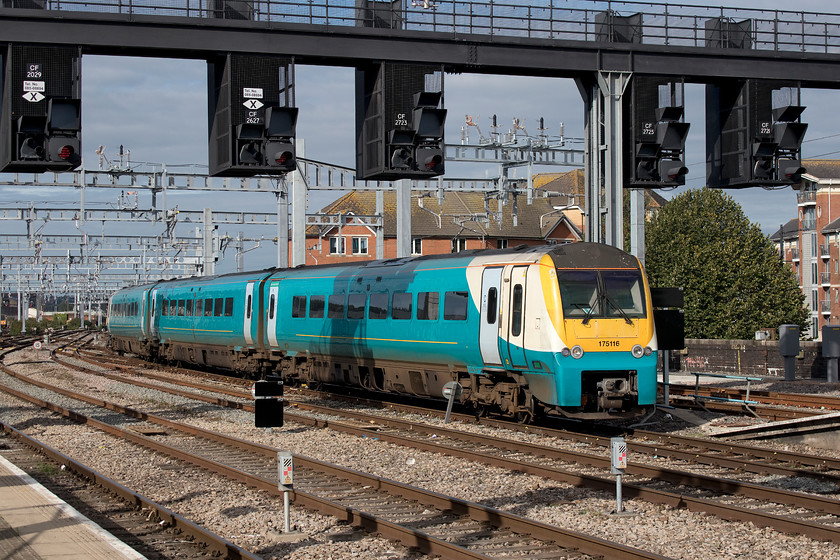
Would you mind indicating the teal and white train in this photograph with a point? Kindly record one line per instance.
(562, 329)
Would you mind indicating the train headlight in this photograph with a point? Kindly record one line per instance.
(577, 352)
(638, 351)
(566, 352)
(648, 350)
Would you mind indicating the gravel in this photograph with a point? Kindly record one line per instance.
(254, 520)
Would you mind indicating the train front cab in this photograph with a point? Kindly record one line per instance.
(587, 363)
(600, 307)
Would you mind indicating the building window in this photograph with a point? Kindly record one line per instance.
(360, 246)
(416, 246)
(815, 301)
(337, 246)
(459, 244)
(501, 243)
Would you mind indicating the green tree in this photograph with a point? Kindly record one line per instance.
(734, 280)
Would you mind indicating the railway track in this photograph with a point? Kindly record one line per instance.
(814, 402)
(433, 523)
(728, 493)
(143, 524)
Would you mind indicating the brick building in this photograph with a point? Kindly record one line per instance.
(810, 243)
(461, 221)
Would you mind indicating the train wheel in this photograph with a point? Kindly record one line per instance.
(481, 410)
(524, 417)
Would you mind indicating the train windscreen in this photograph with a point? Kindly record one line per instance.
(601, 294)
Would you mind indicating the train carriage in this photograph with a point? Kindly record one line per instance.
(565, 329)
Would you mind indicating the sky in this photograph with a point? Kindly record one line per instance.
(157, 109)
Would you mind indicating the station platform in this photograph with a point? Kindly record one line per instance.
(36, 524)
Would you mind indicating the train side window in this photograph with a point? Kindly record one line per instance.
(492, 305)
(248, 307)
(271, 306)
(199, 307)
(335, 307)
(229, 307)
(516, 311)
(208, 307)
(356, 306)
(164, 307)
(219, 307)
(316, 307)
(378, 308)
(189, 308)
(401, 305)
(455, 306)
(427, 306)
(298, 306)
(181, 307)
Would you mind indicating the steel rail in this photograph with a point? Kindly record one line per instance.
(698, 452)
(764, 397)
(727, 486)
(215, 544)
(410, 537)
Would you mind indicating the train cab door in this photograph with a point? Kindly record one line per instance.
(488, 330)
(247, 326)
(272, 311)
(513, 318)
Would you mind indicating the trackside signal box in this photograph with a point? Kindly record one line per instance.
(41, 122)
(252, 115)
(268, 403)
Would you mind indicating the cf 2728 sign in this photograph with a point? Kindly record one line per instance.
(33, 84)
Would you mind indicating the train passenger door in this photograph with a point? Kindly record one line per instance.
(153, 323)
(514, 323)
(272, 311)
(249, 311)
(488, 330)
(144, 317)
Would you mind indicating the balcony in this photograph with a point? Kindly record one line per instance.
(825, 307)
(825, 250)
(809, 224)
(825, 279)
(806, 198)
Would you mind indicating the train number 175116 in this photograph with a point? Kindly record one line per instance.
(608, 343)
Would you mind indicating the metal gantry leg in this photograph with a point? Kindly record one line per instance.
(604, 165)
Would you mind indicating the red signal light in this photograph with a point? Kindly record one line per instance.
(66, 152)
(433, 161)
(283, 157)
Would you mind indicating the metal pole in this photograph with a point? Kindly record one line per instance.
(287, 517)
(619, 507)
(666, 377)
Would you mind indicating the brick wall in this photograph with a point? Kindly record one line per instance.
(746, 357)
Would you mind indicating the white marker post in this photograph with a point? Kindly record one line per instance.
(285, 482)
(618, 464)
